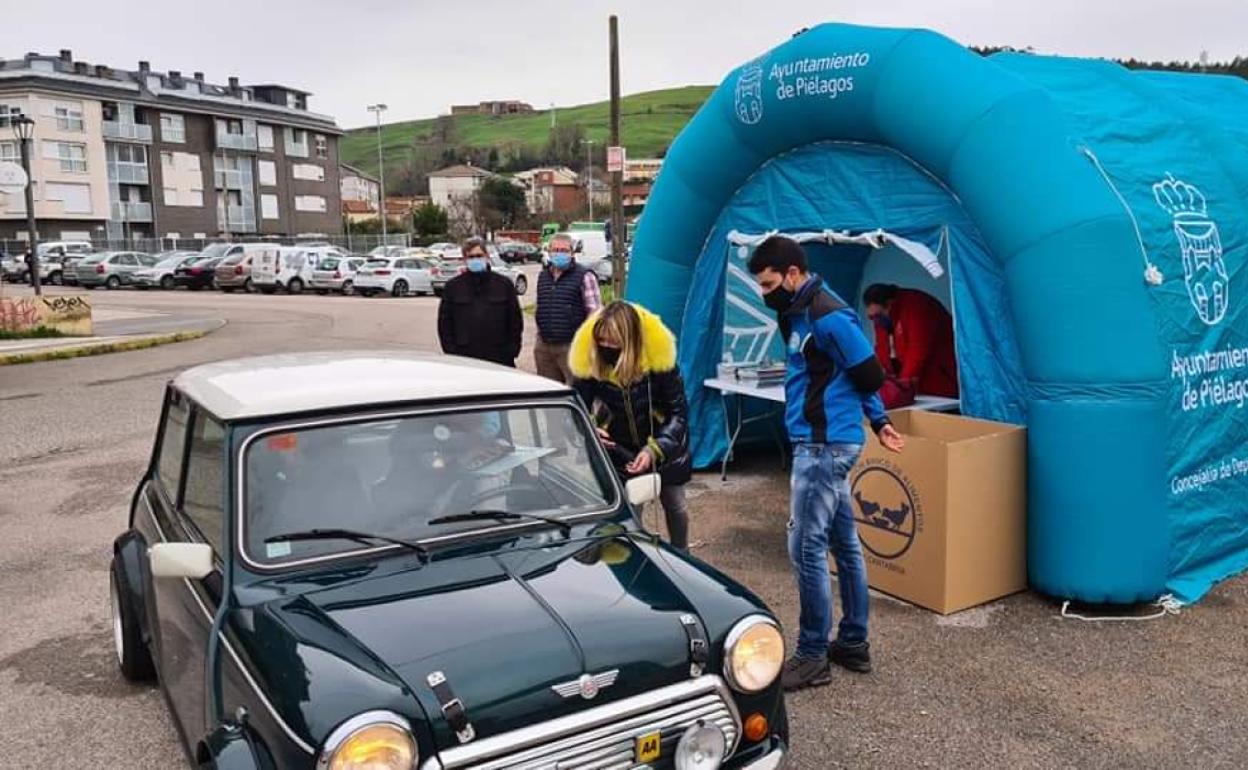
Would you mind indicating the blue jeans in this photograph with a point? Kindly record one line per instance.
(821, 517)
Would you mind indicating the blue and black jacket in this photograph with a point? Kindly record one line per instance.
(833, 375)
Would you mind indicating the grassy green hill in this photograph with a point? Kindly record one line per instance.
(649, 122)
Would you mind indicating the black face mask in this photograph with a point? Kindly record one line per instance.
(609, 356)
(778, 299)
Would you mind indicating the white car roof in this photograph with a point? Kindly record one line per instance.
(308, 382)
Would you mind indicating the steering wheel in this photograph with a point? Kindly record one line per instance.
(477, 498)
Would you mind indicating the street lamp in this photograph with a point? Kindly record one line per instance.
(24, 128)
(377, 109)
(589, 175)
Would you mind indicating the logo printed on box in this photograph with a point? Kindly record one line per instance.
(888, 507)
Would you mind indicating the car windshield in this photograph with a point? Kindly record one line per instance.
(392, 477)
(215, 250)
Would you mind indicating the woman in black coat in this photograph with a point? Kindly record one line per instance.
(623, 360)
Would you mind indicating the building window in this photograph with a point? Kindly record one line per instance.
(322, 146)
(172, 128)
(74, 198)
(231, 127)
(309, 172)
(265, 136)
(72, 156)
(268, 173)
(8, 112)
(9, 153)
(68, 116)
(268, 206)
(297, 142)
(171, 196)
(311, 203)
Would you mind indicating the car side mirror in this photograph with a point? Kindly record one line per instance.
(180, 560)
(642, 489)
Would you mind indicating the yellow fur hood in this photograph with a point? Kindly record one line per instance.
(658, 345)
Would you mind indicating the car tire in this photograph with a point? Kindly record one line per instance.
(167, 283)
(399, 289)
(295, 286)
(437, 292)
(112, 283)
(522, 284)
(133, 657)
(55, 279)
(247, 287)
(348, 288)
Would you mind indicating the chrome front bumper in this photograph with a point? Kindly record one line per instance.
(771, 761)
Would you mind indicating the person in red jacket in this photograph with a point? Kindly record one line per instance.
(920, 331)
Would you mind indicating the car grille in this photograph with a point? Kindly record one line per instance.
(605, 738)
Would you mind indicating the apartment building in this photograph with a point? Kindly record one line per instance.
(141, 153)
(454, 189)
(360, 186)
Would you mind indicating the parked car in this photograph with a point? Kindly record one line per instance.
(396, 276)
(282, 268)
(447, 271)
(396, 560)
(446, 251)
(336, 274)
(63, 248)
(13, 268)
(385, 251)
(514, 252)
(234, 269)
(197, 274)
(160, 275)
(111, 269)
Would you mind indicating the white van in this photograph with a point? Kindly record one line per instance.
(593, 252)
(282, 268)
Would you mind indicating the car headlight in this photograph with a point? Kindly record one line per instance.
(753, 654)
(374, 740)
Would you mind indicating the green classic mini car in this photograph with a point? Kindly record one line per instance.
(377, 561)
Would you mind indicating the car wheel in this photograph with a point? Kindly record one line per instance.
(348, 288)
(133, 657)
(437, 292)
(522, 284)
(247, 287)
(167, 283)
(55, 279)
(295, 286)
(400, 288)
(113, 282)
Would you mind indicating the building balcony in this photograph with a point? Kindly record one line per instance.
(128, 173)
(244, 142)
(127, 132)
(131, 212)
(230, 180)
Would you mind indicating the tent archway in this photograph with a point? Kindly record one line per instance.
(1011, 138)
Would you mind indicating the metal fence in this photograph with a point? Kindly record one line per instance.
(355, 243)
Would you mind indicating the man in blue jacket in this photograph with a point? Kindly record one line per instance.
(832, 379)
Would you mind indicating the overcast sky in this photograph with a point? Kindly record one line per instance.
(420, 56)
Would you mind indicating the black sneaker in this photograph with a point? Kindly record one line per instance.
(802, 672)
(854, 657)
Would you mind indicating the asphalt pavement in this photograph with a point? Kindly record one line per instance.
(1010, 684)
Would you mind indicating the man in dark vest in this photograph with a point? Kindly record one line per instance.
(480, 313)
(567, 294)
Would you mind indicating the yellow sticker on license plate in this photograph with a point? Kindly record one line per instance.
(649, 746)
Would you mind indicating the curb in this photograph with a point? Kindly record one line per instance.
(81, 351)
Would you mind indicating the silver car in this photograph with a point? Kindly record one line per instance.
(445, 271)
(160, 275)
(111, 269)
(336, 274)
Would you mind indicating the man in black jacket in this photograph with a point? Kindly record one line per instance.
(480, 312)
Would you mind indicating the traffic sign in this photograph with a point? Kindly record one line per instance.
(13, 178)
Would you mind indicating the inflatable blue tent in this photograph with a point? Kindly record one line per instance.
(1085, 224)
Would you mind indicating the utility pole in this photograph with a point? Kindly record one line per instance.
(377, 109)
(589, 174)
(23, 130)
(618, 235)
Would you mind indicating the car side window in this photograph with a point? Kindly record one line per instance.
(203, 501)
(172, 445)
(147, 260)
(125, 259)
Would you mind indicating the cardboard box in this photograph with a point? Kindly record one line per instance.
(943, 524)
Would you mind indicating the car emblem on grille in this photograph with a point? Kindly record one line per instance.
(588, 685)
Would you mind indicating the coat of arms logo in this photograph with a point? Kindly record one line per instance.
(1204, 269)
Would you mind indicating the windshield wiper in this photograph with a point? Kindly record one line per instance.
(350, 534)
(563, 526)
